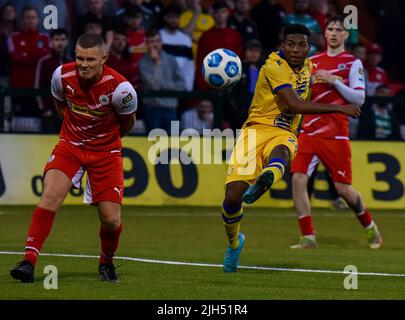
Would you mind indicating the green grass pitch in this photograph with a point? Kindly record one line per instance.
(191, 234)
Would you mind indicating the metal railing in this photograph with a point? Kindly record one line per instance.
(218, 98)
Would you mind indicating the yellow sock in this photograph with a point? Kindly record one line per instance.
(232, 225)
(277, 166)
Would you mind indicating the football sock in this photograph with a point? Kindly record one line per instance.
(277, 166)
(232, 217)
(109, 244)
(41, 224)
(307, 229)
(365, 218)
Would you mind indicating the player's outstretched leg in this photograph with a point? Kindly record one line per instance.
(110, 231)
(271, 174)
(232, 213)
(303, 208)
(355, 202)
(56, 187)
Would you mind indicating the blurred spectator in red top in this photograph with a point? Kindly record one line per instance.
(26, 47)
(219, 36)
(133, 17)
(119, 58)
(319, 10)
(375, 74)
(45, 68)
(8, 25)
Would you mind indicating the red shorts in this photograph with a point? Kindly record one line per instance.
(335, 155)
(105, 178)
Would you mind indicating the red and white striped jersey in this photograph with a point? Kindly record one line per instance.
(91, 121)
(348, 69)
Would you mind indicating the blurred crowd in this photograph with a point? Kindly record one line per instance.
(160, 45)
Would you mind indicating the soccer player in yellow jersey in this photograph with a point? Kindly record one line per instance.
(267, 142)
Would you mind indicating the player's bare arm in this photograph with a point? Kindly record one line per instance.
(127, 122)
(290, 98)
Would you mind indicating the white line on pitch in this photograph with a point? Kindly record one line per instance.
(195, 264)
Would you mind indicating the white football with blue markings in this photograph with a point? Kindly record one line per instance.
(221, 68)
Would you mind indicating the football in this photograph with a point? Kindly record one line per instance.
(221, 68)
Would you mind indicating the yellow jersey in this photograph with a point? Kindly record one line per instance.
(204, 22)
(266, 107)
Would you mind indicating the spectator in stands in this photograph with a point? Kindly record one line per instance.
(151, 12)
(95, 9)
(194, 22)
(399, 110)
(196, 119)
(178, 44)
(93, 25)
(375, 74)
(80, 7)
(241, 22)
(133, 17)
(219, 36)
(118, 58)
(159, 71)
(237, 110)
(360, 52)
(378, 122)
(44, 70)
(26, 47)
(8, 25)
(301, 16)
(156, 8)
(268, 15)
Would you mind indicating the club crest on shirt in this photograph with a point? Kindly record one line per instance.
(341, 66)
(104, 100)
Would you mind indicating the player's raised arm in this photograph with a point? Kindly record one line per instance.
(295, 104)
(126, 103)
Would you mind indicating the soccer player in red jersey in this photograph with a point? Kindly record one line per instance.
(98, 107)
(338, 78)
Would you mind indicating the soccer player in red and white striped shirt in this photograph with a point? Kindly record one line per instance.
(97, 106)
(338, 78)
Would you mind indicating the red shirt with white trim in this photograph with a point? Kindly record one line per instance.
(348, 69)
(91, 118)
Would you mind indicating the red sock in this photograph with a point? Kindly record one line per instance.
(41, 224)
(307, 229)
(365, 218)
(109, 244)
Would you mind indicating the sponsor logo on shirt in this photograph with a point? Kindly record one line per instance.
(127, 99)
(86, 111)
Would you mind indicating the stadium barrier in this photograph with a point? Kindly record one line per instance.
(378, 173)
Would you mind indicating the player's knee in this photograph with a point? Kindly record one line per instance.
(232, 203)
(51, 199)
(110, 223)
